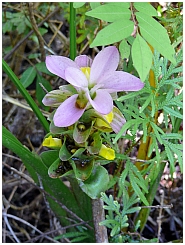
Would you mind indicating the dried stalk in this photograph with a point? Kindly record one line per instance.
(98, 216)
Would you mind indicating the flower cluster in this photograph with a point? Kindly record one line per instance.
(94, 85)
(85, 108)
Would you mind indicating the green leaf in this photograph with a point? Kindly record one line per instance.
(96, 144)
(94, 5)
(156, 35)
(171, 158)
(136, 188)
(132, 94)
(172, 136)
(49, 157)
(120, 4)
(124, 49)
(156, 131)
(127, 125)
(59, 169)
(81, 237)
(34, 56)
(96, 183)
(114, 32)
(145, 8)
(110, 13)
(7, 26)
(139, 180)
(28, 76)
(115, 230)
(42, 67)
(133, 210)
(64, 153)
(78, 4)
(21, 27)
(141, 56)
(81, 135)
(172, 112)
(146, 103)
(83, 168)
(42, 31)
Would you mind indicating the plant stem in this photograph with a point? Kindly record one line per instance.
(72, 31)
(98, 216)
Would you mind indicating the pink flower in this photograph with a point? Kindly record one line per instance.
(95, 84)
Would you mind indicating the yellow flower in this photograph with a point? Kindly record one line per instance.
(107, 153)
(51, 142)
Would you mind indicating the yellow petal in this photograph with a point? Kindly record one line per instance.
(109, 117)
(102, 124)
(107, 153)
(52, 142)
(86, 71)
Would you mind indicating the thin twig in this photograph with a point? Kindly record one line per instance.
(9, 226)
(8, 155)
(28, 224)
(36, 30)
(159, 219)
(13, 206)
(54, 35)
(134, 20)
(61, 36)
(159, 206)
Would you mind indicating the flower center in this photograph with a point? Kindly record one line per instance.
(86, 71)
(81, 101)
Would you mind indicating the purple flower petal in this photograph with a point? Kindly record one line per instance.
(83, 61)
(103, 102)
(67, 113)
(55, 97)
(58, 64)
(121, 81)
(106, 61)
(118, 120)
(76, 77)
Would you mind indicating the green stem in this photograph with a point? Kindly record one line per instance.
(26, 95)
(72, 31)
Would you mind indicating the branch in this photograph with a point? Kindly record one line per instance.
(98, 216)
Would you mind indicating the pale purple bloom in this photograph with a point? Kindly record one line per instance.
(92, 90)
